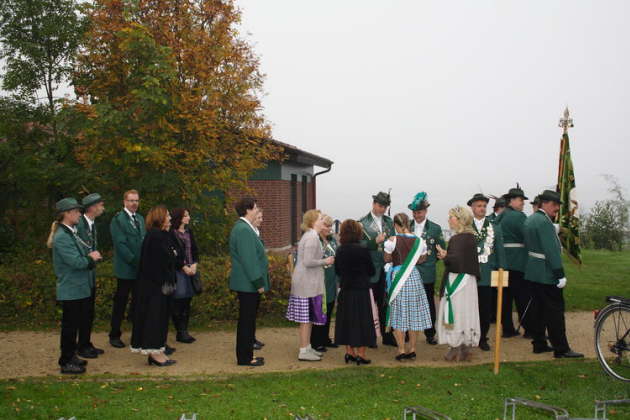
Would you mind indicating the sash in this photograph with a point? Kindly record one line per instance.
(451, 289)
(401, 275)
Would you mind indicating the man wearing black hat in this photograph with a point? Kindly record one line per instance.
(491, 256)
(511, 221)
(545, 273)
(499, 206)
(431, 233)
(94, 206)
(377, 227)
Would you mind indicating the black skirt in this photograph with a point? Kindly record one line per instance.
(354, 324)
(150, 324)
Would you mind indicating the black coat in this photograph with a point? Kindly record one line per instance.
(354, 267)
(181, 248)
(159, 260)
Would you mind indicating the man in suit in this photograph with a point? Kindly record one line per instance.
(127, 230)
(499, 206)
(248, 278)
(511, 221)
(94, 206)
(491, 257)
(546, 275)
(377, 227)
(431, 233)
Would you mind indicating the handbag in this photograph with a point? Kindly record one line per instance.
(168, 289)
(196, 283)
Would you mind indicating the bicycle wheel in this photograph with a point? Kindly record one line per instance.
(612, 340)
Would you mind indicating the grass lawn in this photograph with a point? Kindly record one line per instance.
(471, 392)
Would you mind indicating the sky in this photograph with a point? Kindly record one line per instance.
(451, 98)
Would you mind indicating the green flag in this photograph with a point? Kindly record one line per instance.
(568, 215)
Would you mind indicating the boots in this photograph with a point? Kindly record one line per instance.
(181, 315)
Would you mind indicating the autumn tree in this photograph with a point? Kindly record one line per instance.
(172, 101)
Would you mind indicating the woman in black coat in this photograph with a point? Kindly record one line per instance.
(156, 282)
(354, 326)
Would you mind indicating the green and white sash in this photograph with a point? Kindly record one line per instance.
(403, 274)
(450, 289)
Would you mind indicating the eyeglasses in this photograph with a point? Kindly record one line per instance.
(133, 201)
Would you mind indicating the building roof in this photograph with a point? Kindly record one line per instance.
(301, 156)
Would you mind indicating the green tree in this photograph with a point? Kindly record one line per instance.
(606, 225)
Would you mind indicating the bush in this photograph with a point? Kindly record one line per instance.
(27, 292)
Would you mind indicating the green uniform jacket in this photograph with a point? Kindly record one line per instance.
(330, 277)
(433, 236)
(72, 266)
(496, 259)
(249, 260)
(370, 232)
(511, 222)
(83, 230)
(127, 240)
(541, 239)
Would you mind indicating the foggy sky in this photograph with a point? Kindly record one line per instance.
(451, 98)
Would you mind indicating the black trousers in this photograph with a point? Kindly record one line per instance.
(246, 327)
(521, 294)
(124, 287)
(73, 319)
(484, 295)
(320, 334)
(547, 312)
(380, 296)
(429, 289)
(85, 332)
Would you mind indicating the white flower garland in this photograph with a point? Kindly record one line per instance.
(488, 243)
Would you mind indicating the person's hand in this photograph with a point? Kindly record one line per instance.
(441, 252)
(562, 282)
(95, 255)
(380, 238)
(186, 269)
(329, 261)
(193, 268)
(261, 290)
(421, 259)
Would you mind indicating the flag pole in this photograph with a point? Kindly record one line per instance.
(497, 332)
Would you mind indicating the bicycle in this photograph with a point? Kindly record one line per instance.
(612, 337)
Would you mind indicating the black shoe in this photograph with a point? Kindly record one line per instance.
(410, 356)
(527, 335)
(545, 349)
(483, 345)
(432, 341)
(362, 361)
(152, 361)
(400, 357)
(168, 350)
(184, 337)
(72, 369)
(373, 346)
(257, 346)
(116, 342)
(510, 334)
(321, 349)
(568, 355)
(256, 362)
(79, 362)
(87, 353)
(349, 358)
(390, 343)
(259, 343)
(331, 344)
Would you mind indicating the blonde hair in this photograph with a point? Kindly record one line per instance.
(464, 217)
(53, 229)
(309, 219)
(402, 220)
(126, 193)
(328, 221)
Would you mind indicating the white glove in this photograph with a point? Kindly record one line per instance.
(562, 282)
(387, 267)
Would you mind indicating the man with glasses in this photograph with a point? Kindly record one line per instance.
(127, 230)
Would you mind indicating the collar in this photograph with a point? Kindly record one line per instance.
(256, 231)
(545, 213)
(72, 229)
(128, 212)
(88, 220)
(375, 217)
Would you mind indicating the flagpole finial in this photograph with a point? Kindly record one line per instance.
(566, 121)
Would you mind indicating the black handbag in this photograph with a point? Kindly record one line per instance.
(196, 283)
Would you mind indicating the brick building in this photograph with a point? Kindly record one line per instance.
(285, 190)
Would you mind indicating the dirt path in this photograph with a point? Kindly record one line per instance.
(27, 354)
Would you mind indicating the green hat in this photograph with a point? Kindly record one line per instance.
(499, 203)
(419, 202)
(382, 199)
(515, 192)
(91, 199)
(66, 204)
(549, 195)
(536, 201)
(478, 197)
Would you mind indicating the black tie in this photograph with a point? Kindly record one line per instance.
(135, 221)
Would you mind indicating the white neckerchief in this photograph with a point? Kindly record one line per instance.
(418, 228)
(128, 212)
(378, 220)
(479, 223)
(256, 231)
(89, 221)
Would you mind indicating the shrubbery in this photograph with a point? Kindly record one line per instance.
(27, 292)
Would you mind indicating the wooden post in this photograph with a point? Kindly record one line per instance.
(497, 335)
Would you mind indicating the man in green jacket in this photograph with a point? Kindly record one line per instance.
(249, 278)
(72, 263)
(491, 257)
(431, 233)
(511, 221)
(546, 275)
(94, 206)
(377, 227)
(127, 230)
